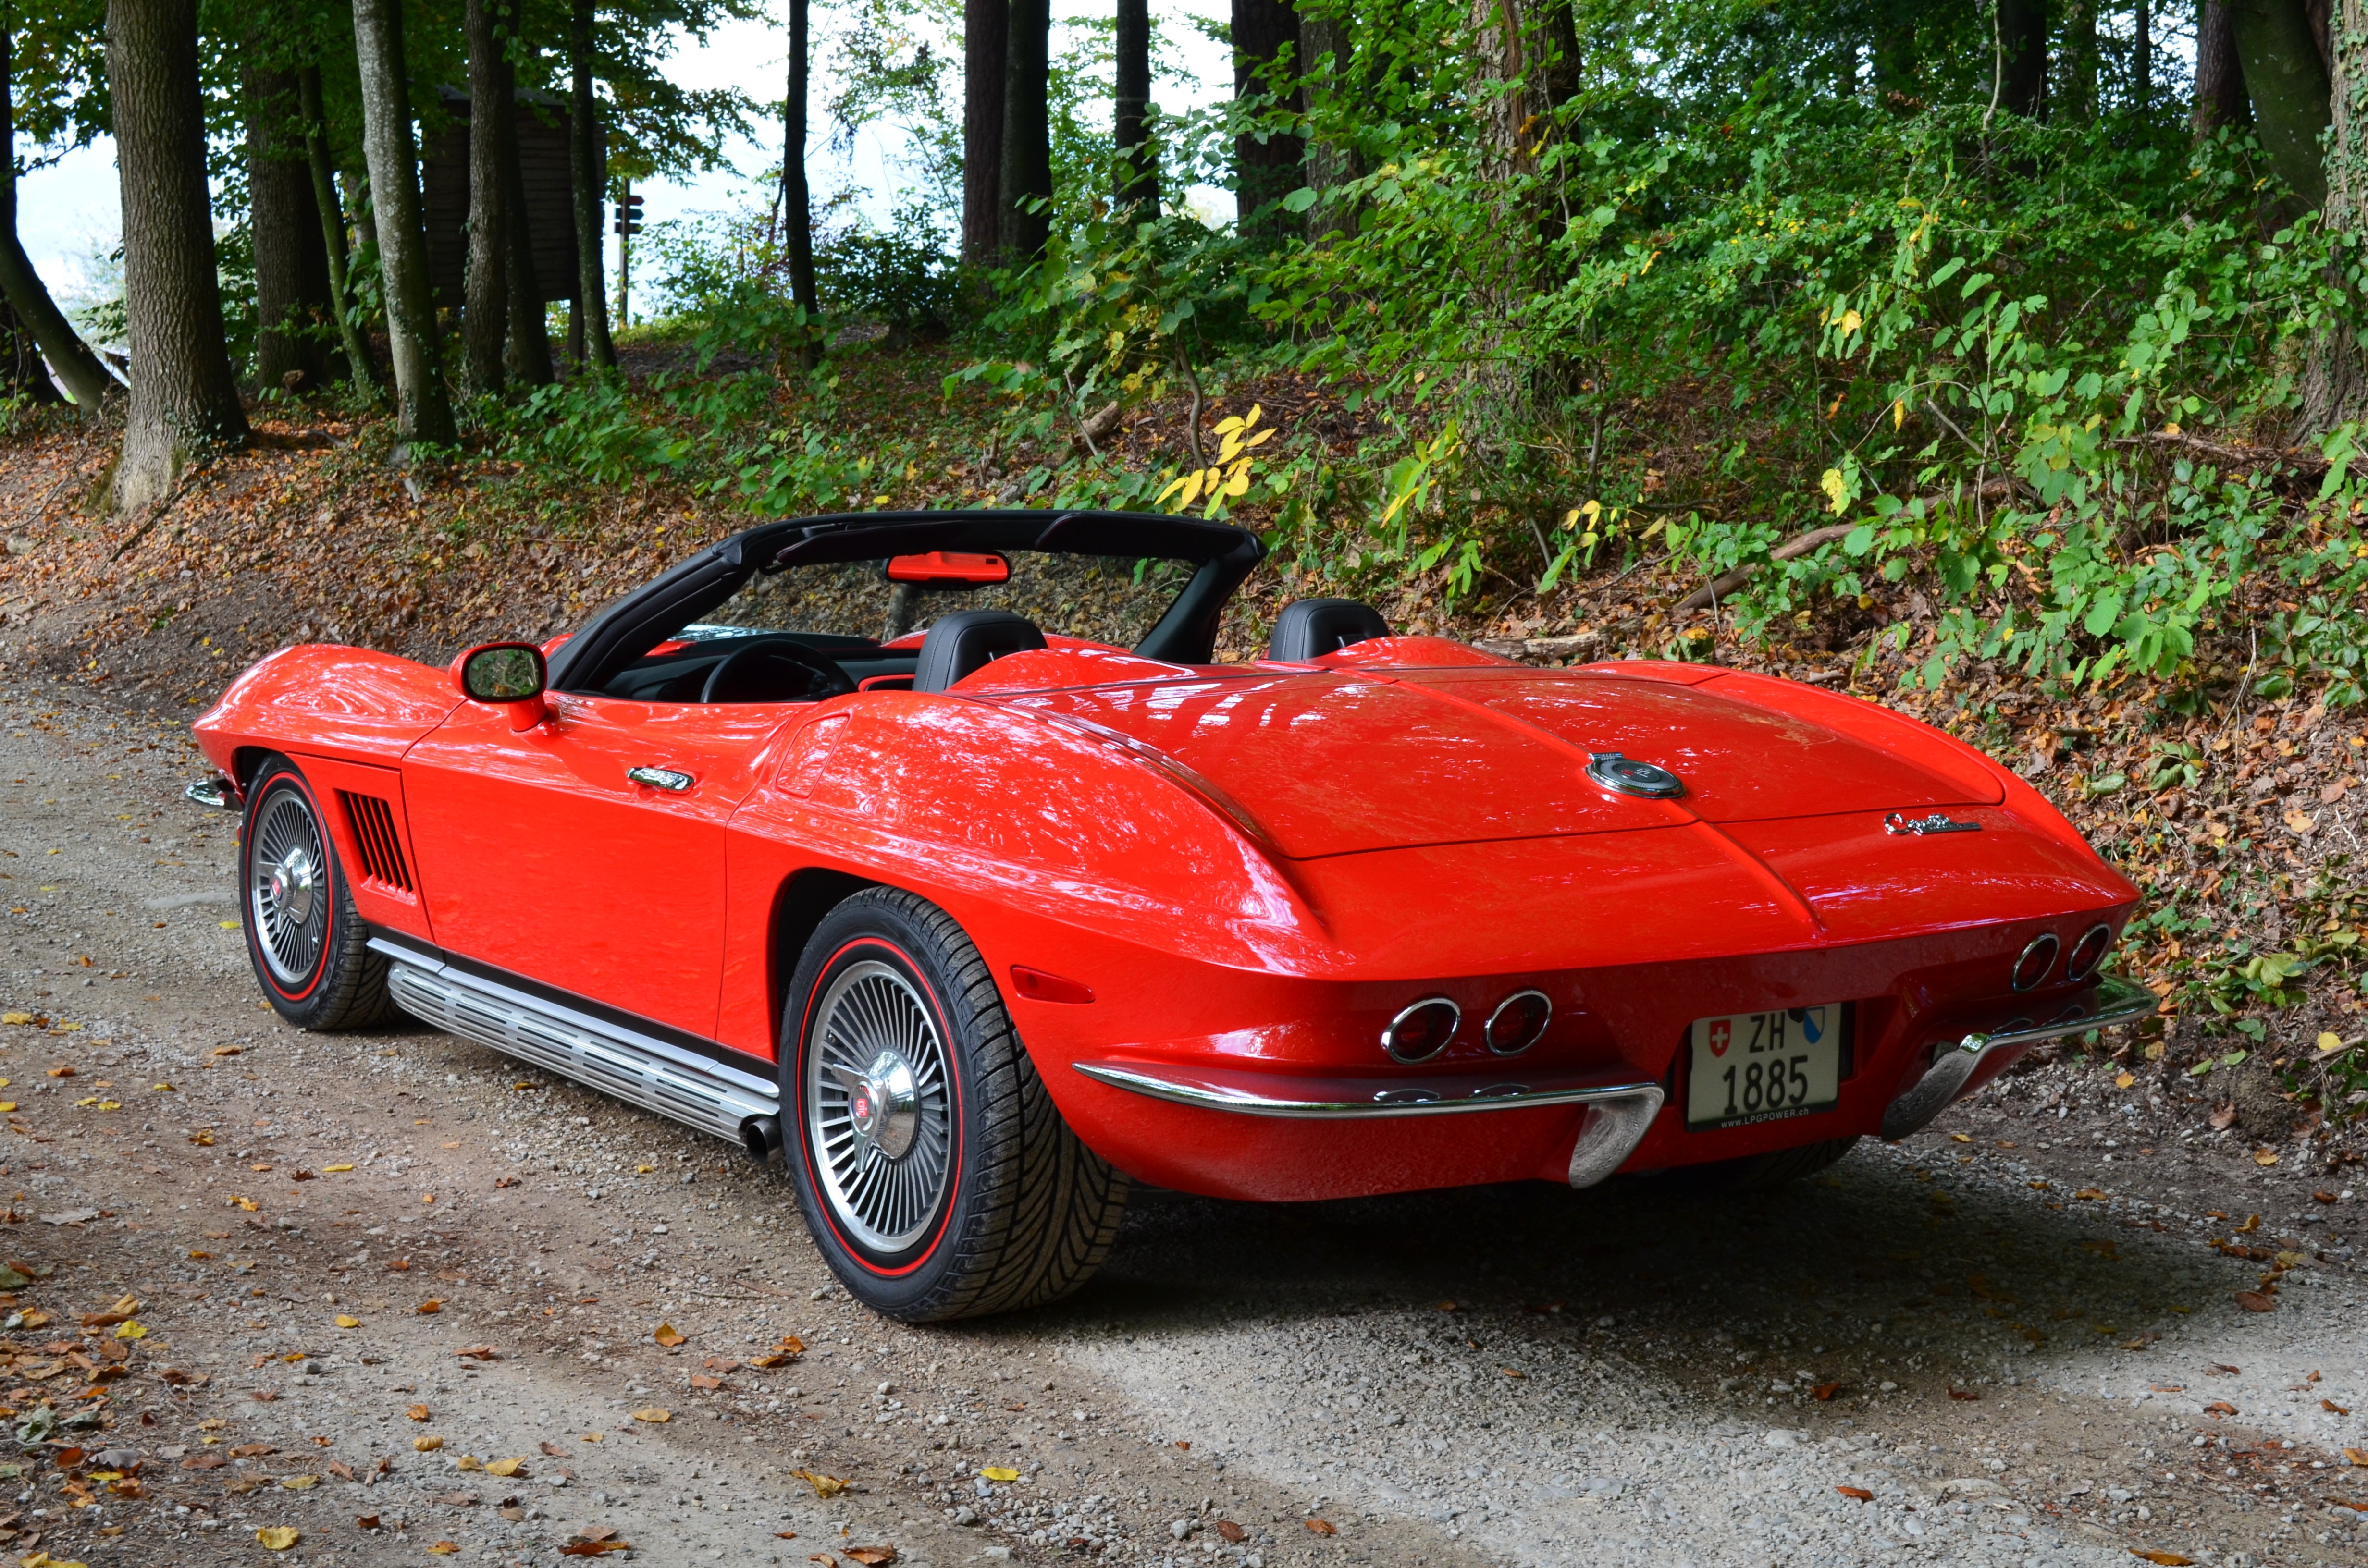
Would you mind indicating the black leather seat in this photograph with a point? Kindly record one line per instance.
(1309, 628)
(967, 642)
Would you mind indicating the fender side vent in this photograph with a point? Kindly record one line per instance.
(373, 826)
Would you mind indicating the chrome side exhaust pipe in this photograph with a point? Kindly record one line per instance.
(2117, 1002)
(1610, 1133)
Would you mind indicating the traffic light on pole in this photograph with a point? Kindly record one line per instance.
(628, 214)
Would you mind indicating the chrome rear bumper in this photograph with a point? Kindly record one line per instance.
(2116, 1001)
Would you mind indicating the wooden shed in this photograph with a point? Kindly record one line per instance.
(549, 199)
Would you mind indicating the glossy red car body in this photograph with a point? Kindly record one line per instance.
(1231, 878)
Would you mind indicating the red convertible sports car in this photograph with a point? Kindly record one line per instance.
(933, 852)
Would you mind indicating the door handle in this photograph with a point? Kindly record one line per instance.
(660, 777)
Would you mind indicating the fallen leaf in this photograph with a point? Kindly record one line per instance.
(701, 1380)
(444, 1548)
(2252, 1223)
(653, 1413)
(341, 1169)
(2225, 1369)
(2220, 1407)
(2257, 1301)
(2090, 1193)
(2331, 1405)
(468, 1461)
(204, 1461)
(276, 1538)
(251, 1450)
(2166, 1558)
(668, 1335)
(429, 1308)
(504, 1467)
(998, 1473)
(2124, 1080)
(592, 1547)
(300, 1482)
(1825, 1391)
(417, 1413)
(2224, 1118)
(825, 1487)
(552, 1449)
(365, 1521)
(1960, 1138)
(1233, 1532)
(872, 1556)
(339, 1469)
(479, 1353)
(2265, 1157)
(1964, 1394)
(426, 1444)
(1322, 1527)
(2357, 1456)
(1861, 1492)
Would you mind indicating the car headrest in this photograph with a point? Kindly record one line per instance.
(1309, 628)
(965, 642)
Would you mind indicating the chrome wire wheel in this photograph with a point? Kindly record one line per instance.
(288, 887)
(879, 1108)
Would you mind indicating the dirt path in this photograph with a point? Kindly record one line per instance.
(1629, 1376)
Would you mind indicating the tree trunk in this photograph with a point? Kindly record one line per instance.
(2219, 80)
(332, 214)
(77, 368)
(2022, 63)
(2142, 53)
(2079, 62)
(986, 48)
(2335, 378)
(22, 374)
(530, 341)
(1027, 180)
(423, 406)
(292, 274)
(484, 324)
(184, 398)
(589, 171)
(1331, 56)
(1137, 187)
(1265, 161)
(796, 202)
(2286, 78)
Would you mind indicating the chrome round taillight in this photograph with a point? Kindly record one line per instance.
(1421, 1030)
(1518, 1022)
(2088, 952)
(2035, 960)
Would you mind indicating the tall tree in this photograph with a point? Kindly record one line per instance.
(797, 203)
(2219, 78)
(332, 214)
(1138, 158)
(2142, 51)
(986, 42)
(485, 326)
(292, 271)
(1332, 108)
(184, 398)
(1027, 179)
(2080, 60)
(75, 367)
(528, 361)
(2335, 378)
(424, 405)
(1267, 157)
(2021, 63)
(587, 329)
(2286, 75)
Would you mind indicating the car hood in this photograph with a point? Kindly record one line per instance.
(1343, 761)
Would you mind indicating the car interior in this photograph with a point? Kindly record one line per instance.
(720, 662)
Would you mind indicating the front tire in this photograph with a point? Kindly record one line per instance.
(931, 1166)
(309, 946)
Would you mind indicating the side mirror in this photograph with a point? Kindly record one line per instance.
(508, 674)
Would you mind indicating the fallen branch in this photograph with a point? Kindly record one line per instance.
(1724, 584)
(1094, 427)
(2304, 461)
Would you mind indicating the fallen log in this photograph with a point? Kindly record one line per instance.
(1719, 588)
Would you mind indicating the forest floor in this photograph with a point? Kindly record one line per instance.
(1305, 1346)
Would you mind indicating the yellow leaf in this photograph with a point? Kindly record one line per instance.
(417, 1413)
(277, 1537)
(16, 1018)
(643, 1170)
(1898, 413)
(666, 1333)
(653, 1413)
(245, 1203)
(1239, 483)
(1960, 1138)
(127, 1303)
(1836, 492)
(1226, 426)
(345, 1322)
(163, 1089)
(2125, 1080)
(470, 1462)
(1851, 321)
(2265, 1157)
(504, 1467)
(337, 1167)
(2357, 1456)
(444, 1548)
(426, 1444)
(299, 1483)
(998, 1473)
(7, 1105)
(2327, 1042)
(825, 1487)
(134, 1329)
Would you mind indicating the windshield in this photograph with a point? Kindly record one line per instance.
(1098, 599)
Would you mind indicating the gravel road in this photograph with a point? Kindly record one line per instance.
(367, 1273)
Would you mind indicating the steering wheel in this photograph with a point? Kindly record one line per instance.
(774, 669)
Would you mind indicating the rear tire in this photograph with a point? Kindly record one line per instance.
(931, 1166)
(309, 946)
(1761, 1173)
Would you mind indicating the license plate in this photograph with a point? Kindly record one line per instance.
(1760, 1066)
